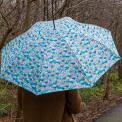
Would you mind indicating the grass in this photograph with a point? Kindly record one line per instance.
(98, 90)
(116, 82)
(4, 109)
(7, 98)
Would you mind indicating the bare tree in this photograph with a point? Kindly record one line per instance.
(16, 16)
(5, 18)
(120, 51)
(107, 86)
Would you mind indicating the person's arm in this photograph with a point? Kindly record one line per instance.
(73, 101)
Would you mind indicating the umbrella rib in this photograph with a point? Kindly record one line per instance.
(82, 31)
(77, 60)
(97, 42)
(88, 35)
(105, 46)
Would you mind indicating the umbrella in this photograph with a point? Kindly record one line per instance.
(73, 55)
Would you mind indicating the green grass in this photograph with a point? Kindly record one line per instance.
(98, 90)
(4, 109)
(117, 86)
(6, 86)
(7, 98)
(87, 93)
(116, 82)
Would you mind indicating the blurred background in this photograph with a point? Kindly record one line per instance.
(16, 16)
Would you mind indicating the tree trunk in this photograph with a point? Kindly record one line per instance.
(120, 52)
(120, 69)
(107, 85)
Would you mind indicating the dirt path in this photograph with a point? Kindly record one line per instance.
(97, 107)
(114, 115)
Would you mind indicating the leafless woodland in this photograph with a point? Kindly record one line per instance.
(16, 16)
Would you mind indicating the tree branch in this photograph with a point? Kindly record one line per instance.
(4, 18)
(1, 2)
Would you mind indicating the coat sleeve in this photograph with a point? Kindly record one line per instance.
(73, 101)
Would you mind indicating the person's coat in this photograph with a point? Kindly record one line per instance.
(51, 107)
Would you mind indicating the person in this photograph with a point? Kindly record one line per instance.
(51, 107)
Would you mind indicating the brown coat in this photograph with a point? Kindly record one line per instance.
(52, 107)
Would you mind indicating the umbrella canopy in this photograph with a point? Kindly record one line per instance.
(72, 56)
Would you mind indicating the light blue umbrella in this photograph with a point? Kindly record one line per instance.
(71, 56)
